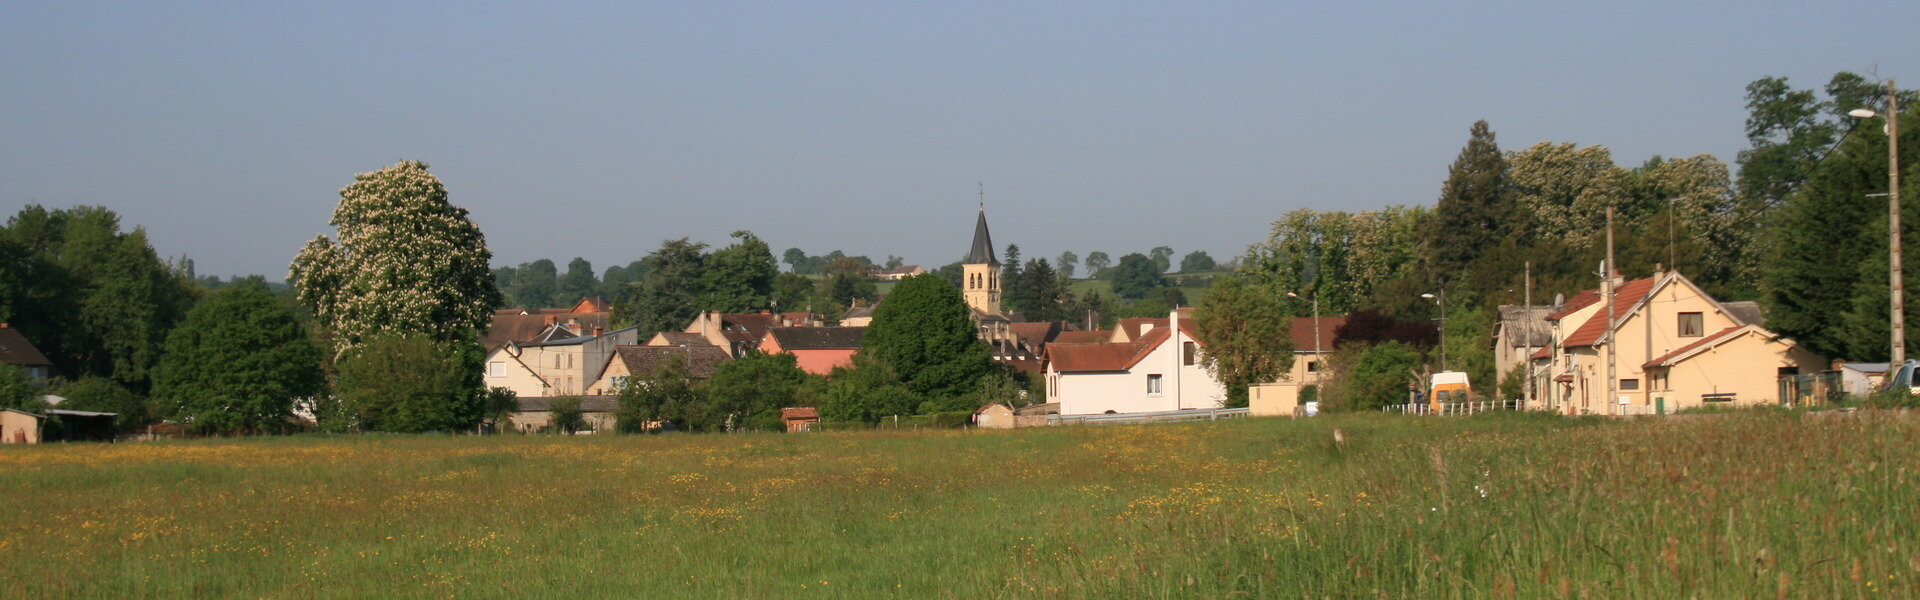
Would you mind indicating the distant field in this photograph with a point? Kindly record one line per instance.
(1523, 506)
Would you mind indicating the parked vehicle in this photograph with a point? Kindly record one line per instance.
(1903, 377)
(1448, 386)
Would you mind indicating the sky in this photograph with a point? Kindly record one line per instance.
(591, 130)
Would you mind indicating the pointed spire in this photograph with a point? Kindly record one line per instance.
(982, 252)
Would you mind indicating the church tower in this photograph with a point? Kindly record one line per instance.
(980, 285)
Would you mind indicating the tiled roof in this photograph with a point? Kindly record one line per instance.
(1133, 325)
(1039, 333)
(1578, 301)
(1721, 336)
(858, 312)
(1624, 297)
(982, 250)
(16, 350)
(701, 360)
(1745, 311)
(1302, 332)
(799, 412)
(817, 338)
(587, 403)
(1070, 358)
(746, 327)
(1097, 336)
(682, 338)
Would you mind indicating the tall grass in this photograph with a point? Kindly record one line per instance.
(1523, 506)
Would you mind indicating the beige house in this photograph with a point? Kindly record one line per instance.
(1311, 347)
(1671, 347)
(629, 361)
(558, 362)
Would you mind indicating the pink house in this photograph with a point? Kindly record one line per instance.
(817, 349)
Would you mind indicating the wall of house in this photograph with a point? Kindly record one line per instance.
(822, 361)
(1748, 367)
(604, 385)
(516, 377)
(997, 416)
(1643, 335)
(17, 428)
(1126, 391)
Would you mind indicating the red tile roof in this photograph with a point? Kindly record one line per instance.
(1302, 332)
(1624, 297)
(1071, 358)
(1097, 336)
(803, 412)
(1722, 335)
(1132, 325)
(1574, 304)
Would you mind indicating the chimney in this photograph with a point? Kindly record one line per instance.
(599, 331)
(550, 320)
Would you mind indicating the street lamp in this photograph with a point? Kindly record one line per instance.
(1442, 301)
(1898, 308)
(1316, 335)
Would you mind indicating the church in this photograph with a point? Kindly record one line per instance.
(980, 287)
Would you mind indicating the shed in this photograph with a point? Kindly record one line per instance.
(993, 416)
(800, 418)
(19, 427)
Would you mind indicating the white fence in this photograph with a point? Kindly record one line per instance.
(1196, 414)
(1452, 408)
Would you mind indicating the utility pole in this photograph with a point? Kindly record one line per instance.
(1526, 358)
(1443, 328)
(1899, 308)
(1612, 352)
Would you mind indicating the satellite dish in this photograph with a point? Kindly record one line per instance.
(1559, 299)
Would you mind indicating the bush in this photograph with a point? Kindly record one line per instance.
(565, 415)
(99, 394)
(939, 420)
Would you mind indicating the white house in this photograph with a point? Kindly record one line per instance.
(1157, 370)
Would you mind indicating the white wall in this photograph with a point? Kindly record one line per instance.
(1083, 393)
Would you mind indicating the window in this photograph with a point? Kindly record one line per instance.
(1690, 324)
(1313, 366)
(1629, 384)
(619, 383)
(1153, 384)
(497, 369)
(1189, 352)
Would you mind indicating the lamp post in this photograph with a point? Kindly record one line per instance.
(1442, 301)
(1316, 334)
(1898, 318)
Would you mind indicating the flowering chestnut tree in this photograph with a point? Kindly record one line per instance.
(405, 262)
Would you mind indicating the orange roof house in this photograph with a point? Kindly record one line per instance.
(817, 349)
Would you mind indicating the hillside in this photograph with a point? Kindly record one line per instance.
(1531, 506)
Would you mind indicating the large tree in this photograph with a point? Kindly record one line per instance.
(411, 383)
(748, 392)
(96, 300)
(667, 395)
(1197, 261)
(1244, 330)
(578, 283)
(1097, 263)
(672, 292)
(1135, 276)
(535, 285)
(238, 363)
(1476, 212)
(739, 277)
(1162, 257)
(1068, 262)
(926, 334)
(406, 261)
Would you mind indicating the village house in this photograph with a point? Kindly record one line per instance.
(1157, 371)
(799, 419)
(521, 324)
(740, 332)
(898, 273)
(628, 362)
(1672, 347)
(558, 362)
(1313, 342)
(17, 351)
(817, 349)
(1518, 332)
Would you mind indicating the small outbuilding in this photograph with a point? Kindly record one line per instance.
(19, 427)
(798, 419)
(994, 416)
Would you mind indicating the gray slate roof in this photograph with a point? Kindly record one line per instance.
(982, 252)
(1748, 312)
(1526, 326)
(818, 338)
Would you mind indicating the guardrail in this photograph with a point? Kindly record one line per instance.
(1452, 408)
(1192, 414)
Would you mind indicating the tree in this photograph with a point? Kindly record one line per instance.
(497, 407)
(739, 277)
(1097, 263)
(578, 283)
(894, 262)
(1378, 377)
(565, 416)
(672, 292)
(795, 258)
(1068, 262)
(1162, 258)
(1476, 211)
(866, 392)
(1040, 293)
(1788, 136)
(847, 281)
(535, 284)
(412, 383)
(1245, 332)
(792, 291)
(925, 333)
(748, 392)
(1135, 276)
(1373, 327)
(94, 299)
(100, 394)
(1197, 262)
(669, 395)
(406, 260)
(18, 390)
(238, 363)
(615, 283)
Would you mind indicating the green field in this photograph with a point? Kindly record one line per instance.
(1758, 504)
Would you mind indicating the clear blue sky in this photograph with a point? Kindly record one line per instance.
(599, 130)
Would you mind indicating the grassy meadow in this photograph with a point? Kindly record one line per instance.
(1757, 504)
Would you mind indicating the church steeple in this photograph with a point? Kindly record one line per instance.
(982, 252)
